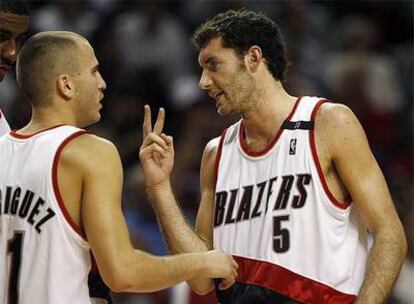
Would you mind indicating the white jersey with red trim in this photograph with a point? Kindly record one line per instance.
(274, 212)
(43, 257)
(4, 126)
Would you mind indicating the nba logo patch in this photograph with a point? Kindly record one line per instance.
(292, 146)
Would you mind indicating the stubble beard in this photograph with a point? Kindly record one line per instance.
(243, 94)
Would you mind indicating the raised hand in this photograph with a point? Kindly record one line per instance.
(157, 150)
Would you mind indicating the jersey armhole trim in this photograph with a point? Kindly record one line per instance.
(56, 189)
(218, 156)
(336, 202)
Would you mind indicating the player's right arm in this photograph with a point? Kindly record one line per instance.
(124, 268)
(180, 237)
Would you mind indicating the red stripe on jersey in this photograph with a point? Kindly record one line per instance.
(24, 136)
(218, 156)
(342, 205)
(56, 185)
(288, 283)
(242, 135)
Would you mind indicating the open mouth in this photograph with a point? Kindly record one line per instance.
(218, 95)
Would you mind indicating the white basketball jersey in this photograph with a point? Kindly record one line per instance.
(275, 214)
(43, 257)
(4, 126)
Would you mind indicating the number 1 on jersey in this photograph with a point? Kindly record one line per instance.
(15, 247)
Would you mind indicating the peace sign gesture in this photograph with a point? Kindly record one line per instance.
(157, 150)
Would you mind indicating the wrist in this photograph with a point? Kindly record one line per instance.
(199, 260)
(159, 192)
(158, 187)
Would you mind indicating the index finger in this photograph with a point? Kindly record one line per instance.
(159, 124)
(147, 126)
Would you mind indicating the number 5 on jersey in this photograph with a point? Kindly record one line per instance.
(281, 236)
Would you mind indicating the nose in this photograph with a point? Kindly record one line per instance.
(9, 50)
(205, 81)
(102, 83)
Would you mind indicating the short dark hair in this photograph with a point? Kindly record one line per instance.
(243, 28)
(43, 57)
(18, 7)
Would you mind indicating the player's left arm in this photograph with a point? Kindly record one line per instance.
(351, 155)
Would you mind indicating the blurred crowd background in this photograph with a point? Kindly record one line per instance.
(359, 53)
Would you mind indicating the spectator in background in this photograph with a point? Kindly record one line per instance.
(14, 23)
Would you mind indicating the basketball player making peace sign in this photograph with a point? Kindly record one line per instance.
(291, 190)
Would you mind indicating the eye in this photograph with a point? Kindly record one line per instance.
(213, 65)
(95, 70)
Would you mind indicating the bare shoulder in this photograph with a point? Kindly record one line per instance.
(335, 115)
(207, 172)
(211, 148)
(88, 149)
(337, 125)
(210, 151)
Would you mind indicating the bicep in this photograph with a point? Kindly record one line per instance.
(360, 172)
(205, 215)
(102, 216)
(204, 220)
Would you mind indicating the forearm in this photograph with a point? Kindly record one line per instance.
(383, 266)
(148, 273)
(180, 237)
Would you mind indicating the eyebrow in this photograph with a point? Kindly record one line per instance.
(209, 60)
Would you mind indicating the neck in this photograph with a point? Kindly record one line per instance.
(46, 117)
(271, 108)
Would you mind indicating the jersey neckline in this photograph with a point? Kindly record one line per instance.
(14, 133)
(242, 134)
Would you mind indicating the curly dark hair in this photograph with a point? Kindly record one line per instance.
(243, 28)
(18, 7)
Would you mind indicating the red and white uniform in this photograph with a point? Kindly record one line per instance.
(4, 126)
(275, 213)
(43, 257)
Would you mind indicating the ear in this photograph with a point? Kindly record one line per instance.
(253, 58)
(65, 86)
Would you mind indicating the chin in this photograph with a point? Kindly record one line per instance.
(96, 120)
(90, 122)
(225, 112)
(222, 113)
